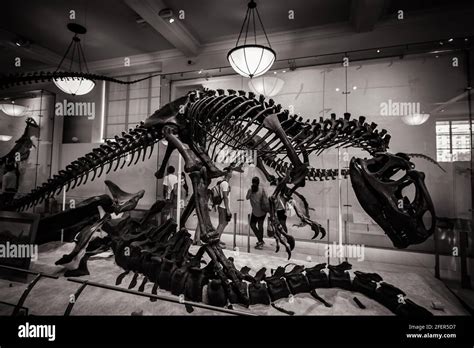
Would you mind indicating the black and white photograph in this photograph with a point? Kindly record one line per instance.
(196, 165)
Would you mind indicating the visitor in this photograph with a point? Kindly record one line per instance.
(280, 208)
(169, 193)
(225, 215)
(9, 183)
(259, 202)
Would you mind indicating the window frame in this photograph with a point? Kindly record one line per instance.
(451, 136)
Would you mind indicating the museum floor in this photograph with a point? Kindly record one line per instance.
(51, 296)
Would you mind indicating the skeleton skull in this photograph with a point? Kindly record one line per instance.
(382, 195)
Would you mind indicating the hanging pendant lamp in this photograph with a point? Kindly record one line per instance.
(251, 59)
(268, 86)
(12, 109)
(75, 85)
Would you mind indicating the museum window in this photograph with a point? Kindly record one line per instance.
(453, 141)
(127, 105)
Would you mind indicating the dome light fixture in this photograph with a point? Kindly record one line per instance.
(268, 86)
(5, 137)
(12, 109)
(251, 59)
(415, 119)
(75, 85)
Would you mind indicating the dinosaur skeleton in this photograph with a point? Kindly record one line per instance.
(200, 126)
(23, 144)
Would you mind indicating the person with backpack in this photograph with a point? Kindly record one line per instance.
(221, 198)
(260, 206)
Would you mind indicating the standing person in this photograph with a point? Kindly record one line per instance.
(281, 210)
(9, 182)
(169, 193)
(225, 215)
(259, 202)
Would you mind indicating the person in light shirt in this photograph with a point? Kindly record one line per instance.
(223, 209)
(169, 193)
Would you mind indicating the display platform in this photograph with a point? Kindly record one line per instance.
(52, 296)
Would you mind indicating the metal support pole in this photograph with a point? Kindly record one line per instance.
(30, 286)
(160, 297)
(248, 233)
(345, 233)
(235, 231)
(328, 246)
(25, 294)
(339, 201)
(76, 296)
(178, 208)
(64, 208)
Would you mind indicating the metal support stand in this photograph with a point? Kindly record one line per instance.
(30, 286)
(76, 296)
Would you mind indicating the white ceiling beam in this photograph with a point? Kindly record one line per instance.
(31, 50)
(366, 13)
(176, 33)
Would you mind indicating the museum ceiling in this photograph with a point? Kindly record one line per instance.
(115, 26)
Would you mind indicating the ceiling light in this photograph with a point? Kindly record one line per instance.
(20, 42)
(415, 119)
(269, 86)
(166, 14)
(354, 88)
(70, 84)
(337, 89)
(450, 40)
(5, 137)
(378, 51)
(12, 109)
(251, 60)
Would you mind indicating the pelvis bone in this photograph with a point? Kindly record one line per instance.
(382, 195)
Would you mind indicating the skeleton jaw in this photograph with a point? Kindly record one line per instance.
(382, 197)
